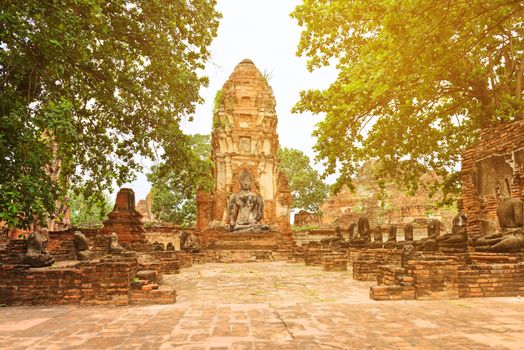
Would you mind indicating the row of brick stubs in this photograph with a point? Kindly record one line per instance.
(369, 261)
(427, 277)
(313, 254)
(393, 284)
(334, 262)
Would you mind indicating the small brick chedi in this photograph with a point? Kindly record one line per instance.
(124, 219)
(244, 149)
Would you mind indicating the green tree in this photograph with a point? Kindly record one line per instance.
(307, 188)
(416, 82)
(176, 181)
(86, 213)
(93, 84)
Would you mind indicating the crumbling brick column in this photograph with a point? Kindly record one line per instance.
(124, 219)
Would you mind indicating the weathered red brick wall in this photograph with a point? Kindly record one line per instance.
(204, 209)
(124, 219)
(305, 218)
(369, 261)
(434, 276)
(496, 160)
(105, 282)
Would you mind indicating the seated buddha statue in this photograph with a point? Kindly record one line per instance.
(510, 237)
(377, 238)
(246, 208)
(189, 242)
(364, 234)
(408, 236)
(391, 242)
(457, 240)
(36, 255)
(429, 243)
(82, 246)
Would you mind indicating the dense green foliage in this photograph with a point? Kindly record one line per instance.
(87, 214)
(176, 181)
(417, 81)
(93, 84)
(307, 188)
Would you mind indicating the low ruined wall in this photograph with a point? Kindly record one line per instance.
(436, 276)
(104, 282)
(369, 261)
(304, 237)
(313, 254)
(61, 245)
(20, 286)
(334, 261)
(305, 218)
(491, 275)
(166, 262)
(495, 163)
(107, 281)
(165, 233)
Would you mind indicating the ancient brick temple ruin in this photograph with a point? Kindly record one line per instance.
(492, 169)
(124, 220)
(244, 138)
(246, 219)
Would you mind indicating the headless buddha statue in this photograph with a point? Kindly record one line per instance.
(430, 242)
(510, 238)
(377, 238)
(364, 233)
(392, 237)
(36, 255)
(455, 242)
(408, 236)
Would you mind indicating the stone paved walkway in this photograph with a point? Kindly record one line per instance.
(270, 306)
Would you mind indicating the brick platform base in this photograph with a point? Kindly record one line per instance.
(368, 262)
(108, 281)
(334, 262)
(437, 276)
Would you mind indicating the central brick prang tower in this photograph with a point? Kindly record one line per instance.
(244, 138)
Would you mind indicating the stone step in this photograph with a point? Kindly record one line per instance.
(239, 255)
(231, 236)
(245, 246)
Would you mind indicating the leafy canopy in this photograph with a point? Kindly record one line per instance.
(417, 81)
(177, 179)
(86, 88)
(307, 188)
(87, 214)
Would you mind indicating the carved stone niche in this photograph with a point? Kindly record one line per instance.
(245, 101)
(494, 174)
(245, 144)
(245, 121)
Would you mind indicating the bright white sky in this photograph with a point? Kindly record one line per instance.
(262, 31)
